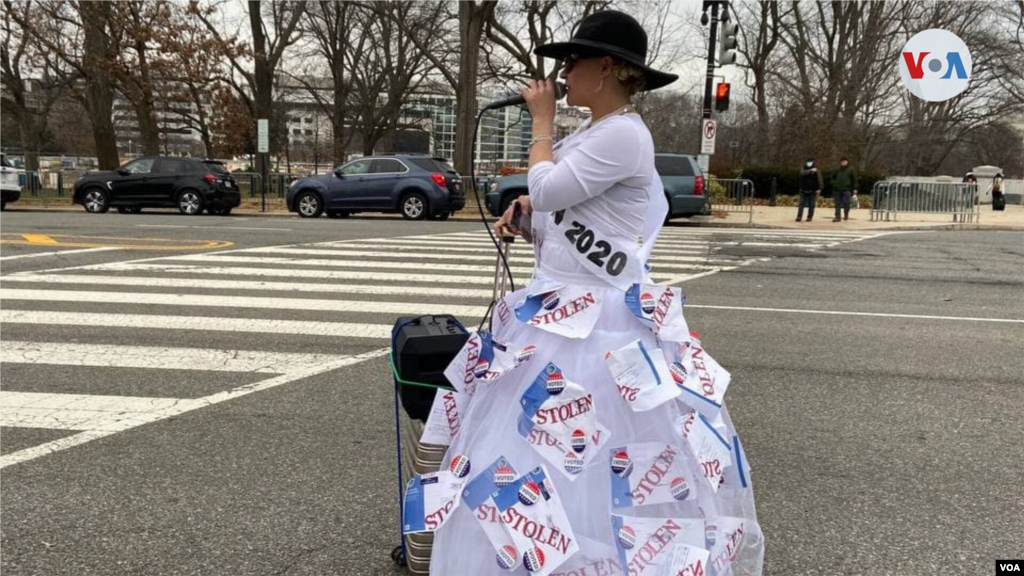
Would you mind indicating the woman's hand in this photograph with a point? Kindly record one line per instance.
(503, 227)
(540, 98)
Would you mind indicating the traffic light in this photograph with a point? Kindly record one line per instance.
(722, 97)
(728, 43)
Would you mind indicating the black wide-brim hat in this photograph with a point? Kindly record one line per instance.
(610, 33)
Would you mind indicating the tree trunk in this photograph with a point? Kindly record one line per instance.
(99, 92)
(472, 18)
(30, 137)
(263, 76)
(149, 131)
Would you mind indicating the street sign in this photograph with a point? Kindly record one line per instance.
(704, 161)
(708, 131)
(263, 135)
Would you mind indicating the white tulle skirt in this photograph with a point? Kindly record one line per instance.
(725, 519)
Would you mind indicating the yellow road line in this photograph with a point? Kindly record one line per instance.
(124, 243)
(39, 239)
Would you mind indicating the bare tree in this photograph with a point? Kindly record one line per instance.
(29, 100)
(77, 34)
(273, 27)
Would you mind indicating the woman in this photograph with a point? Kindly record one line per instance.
(585, 442)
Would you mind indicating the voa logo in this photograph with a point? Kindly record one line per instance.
(935, 65)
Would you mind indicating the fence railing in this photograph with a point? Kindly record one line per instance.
(738, 196)
(960, 201)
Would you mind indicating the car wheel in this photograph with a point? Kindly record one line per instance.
(190, 202)
(338, 213)
(96, 201)
(414, 206)
(309, 205)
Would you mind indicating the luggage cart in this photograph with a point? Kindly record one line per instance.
(418, 371)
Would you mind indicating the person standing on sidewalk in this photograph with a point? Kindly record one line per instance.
(998, 199)
(844, 186)
(810, 187)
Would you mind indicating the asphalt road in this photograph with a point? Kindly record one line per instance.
(885, 439)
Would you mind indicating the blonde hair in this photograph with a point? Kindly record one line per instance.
(631, 77)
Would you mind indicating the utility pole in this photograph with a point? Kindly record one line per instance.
(709, 79)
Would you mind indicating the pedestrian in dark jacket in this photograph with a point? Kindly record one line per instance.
(810, 187)
(844, 185)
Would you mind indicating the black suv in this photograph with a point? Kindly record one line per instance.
(417, 186)
(187, 184)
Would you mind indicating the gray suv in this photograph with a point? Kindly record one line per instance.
(680, 175)
(416, 186)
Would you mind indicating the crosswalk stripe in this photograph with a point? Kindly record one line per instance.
(429, 256)
(262, 286)
(185, 405)
(331, 263)
(485, 242)
(524, 249)
(80, 411)
(112, 356)
(225, 301)
(219, 259)
(198, 323)
(382, 277)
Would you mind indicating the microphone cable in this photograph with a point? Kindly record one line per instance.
(483, 218)
(480, 205)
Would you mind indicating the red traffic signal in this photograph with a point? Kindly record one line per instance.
(722, 97)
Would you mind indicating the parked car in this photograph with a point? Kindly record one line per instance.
(416, 186)
(188, 184)
(10, 189)
(680, 175)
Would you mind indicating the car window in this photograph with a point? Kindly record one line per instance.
(168, 166)
(4, 162)
(216, 167)
(433, 164)
(387, 166)
(357, 167)
(673, 165)
(140, 166)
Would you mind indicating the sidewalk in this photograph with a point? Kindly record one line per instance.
(785, 217)
(779, 217)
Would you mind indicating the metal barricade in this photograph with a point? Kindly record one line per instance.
(737, 196)
(250, 184)
(889, 199)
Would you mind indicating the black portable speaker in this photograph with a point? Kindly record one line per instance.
(423, 348)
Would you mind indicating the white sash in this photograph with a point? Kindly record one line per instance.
(605, 255)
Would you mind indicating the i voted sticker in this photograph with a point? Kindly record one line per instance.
(555, 383)
(533, 559)
(507, 557)
(526, 354)
(678, 372)
(529, 493)
(550, 300)
(579, 440)
(648, 303)
(621, 464)
(481, 368)
(680, 489)
(504, 476)
(574, 463)
(627, 537)
(460, 466)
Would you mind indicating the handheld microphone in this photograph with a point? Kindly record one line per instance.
(518, 99)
